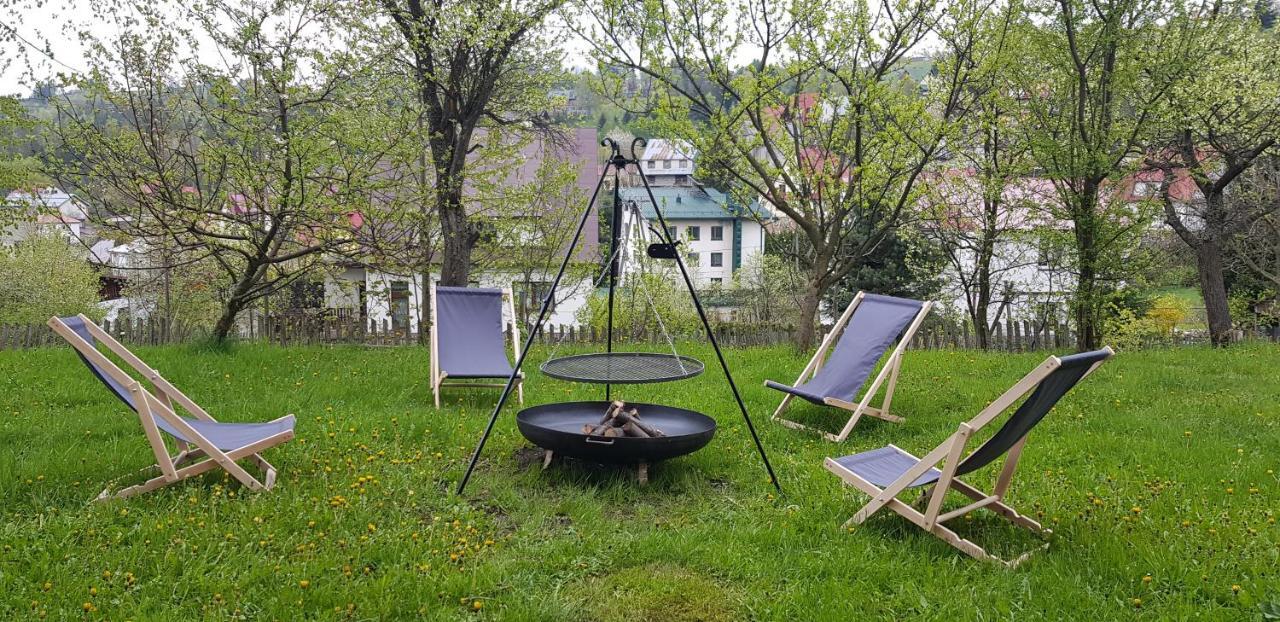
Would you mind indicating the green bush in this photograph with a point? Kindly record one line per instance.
(635, 304)
(44, 276)
(1128, 328)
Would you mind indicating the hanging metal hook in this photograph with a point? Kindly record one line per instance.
(638, 141)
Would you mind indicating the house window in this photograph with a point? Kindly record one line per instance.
(666, 164)
(671, 232)
(652, 164)
(715, 280)
(692, 259)
(717, 260)
(695, 232)
(717, 233)
(399, 299)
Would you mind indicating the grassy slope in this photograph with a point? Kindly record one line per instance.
(1161, 465)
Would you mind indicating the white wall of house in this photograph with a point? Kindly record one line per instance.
(668, 163)
(698, 237)
(1035, 280)
(384, 290)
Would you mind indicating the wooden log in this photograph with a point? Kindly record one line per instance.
(614, 406)
(634, 431)
(633, 416)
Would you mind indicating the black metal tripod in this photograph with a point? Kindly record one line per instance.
(617, 163)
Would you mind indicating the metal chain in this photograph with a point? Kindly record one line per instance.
(644, 288)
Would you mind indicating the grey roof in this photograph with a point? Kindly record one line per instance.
(689, 203)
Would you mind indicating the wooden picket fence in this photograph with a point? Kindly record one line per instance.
(1011, 336)
(140, 332)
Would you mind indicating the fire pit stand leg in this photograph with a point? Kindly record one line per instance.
(546, 459)
(642, 473)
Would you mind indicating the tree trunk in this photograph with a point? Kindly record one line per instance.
(1086, 318)
(1087, 303)
(455, 268)
(424, 309)
(981, 327)
(1214, 290)
(808, 317)
(227, 321)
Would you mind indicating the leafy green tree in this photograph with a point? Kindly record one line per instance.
(977, 209)
(905, 264)
(260, 164)
(1221, 118)
(45, 276)
(475, 64)
(1091, 76)
(798, 103)
(16, 171)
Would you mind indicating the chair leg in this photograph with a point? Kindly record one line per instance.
(520, 390)
(964, 546)
(781, 407)
(435, 392)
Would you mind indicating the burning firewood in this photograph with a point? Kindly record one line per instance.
(618, 421)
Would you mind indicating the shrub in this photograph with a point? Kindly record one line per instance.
(42, 277)
(633, 315)
(1128, 329)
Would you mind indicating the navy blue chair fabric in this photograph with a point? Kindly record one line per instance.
(470, 333)
(876, 324)
(225, 436)
(885, 465)
(1033, 409)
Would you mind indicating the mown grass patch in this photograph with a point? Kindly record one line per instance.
(1157, 476)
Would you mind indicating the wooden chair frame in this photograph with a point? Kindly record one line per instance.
(148, 405)
(952, 451)
(438, 375)
(889, 372)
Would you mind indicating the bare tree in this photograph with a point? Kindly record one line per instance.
(1256, 249)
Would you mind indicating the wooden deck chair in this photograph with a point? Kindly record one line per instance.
(468, 338)
(885, 473)
(862, 334)
(219, 444)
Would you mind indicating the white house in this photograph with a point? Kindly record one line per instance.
(716, 235)
(381, 296)
(396, 300)
(45, 211)
(668, 163)
(1030, 278)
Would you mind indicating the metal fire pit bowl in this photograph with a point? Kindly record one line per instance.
(558, 428)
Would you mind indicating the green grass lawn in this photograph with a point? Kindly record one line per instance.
(1157, 476)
